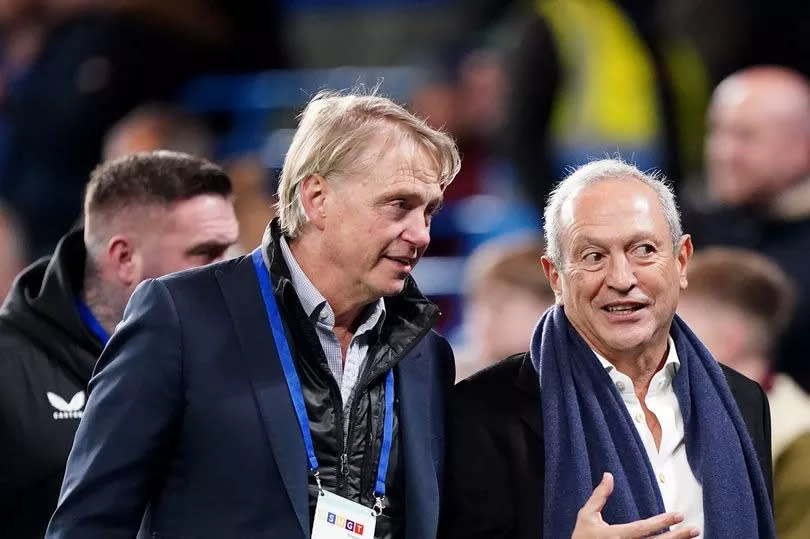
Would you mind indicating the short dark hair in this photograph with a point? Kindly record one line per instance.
(516, 264)
(746, 280)
(152, 178)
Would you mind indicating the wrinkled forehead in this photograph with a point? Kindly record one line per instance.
(611, 202)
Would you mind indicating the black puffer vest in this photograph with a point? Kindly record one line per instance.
(348, 464)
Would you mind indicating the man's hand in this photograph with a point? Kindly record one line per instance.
(591, 526)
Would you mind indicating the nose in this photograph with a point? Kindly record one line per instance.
(417, 231)
(620, 274)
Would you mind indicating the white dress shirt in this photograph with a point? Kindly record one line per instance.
(679, 488)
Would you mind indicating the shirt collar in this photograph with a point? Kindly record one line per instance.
(671, 365)
(660, 380)
(315, 305)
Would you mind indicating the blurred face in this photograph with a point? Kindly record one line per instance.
(620, 282)
(502, 318)
(757, 143)
(136, 137)
(713, 324)
(377, 222)
(189, 234)
(732, 337)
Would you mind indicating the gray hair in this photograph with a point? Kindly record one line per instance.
(331, 136)
(593, 172)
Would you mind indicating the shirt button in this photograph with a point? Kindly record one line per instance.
(661, 478)
(323, 315)
(620, 386)
(639, 418)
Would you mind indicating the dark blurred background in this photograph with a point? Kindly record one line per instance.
(526, 87)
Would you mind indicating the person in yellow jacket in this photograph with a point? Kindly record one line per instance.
(592, 78)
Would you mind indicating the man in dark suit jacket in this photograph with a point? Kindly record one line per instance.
(631, 402)
(497, 429)
(295, 389)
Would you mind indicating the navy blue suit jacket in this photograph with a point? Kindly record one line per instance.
(189, 416)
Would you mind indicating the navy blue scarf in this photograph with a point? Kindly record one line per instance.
(588, 431)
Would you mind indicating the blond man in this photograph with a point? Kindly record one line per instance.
(296, 390)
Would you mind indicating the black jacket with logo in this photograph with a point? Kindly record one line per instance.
(46, 357)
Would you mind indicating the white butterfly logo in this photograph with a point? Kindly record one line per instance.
(67, 410)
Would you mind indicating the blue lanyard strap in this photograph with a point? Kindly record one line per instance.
(294, 384)
(91, 321)
(388, 434)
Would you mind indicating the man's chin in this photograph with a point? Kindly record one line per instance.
(392, 287)
(625, 341)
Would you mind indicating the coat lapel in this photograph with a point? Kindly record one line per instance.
(421, 487)
(240, 288)
(528, 383)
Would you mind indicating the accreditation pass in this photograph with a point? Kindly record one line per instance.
(339, 518)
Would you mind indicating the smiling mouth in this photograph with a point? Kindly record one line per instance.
(625, 309)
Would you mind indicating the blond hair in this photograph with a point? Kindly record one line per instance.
(332, 134)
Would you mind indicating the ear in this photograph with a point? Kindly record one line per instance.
(124, 260)
(315, 192)
(553, 276)
(684, 255)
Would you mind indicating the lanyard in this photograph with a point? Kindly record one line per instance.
(91, 321)
(294, 385)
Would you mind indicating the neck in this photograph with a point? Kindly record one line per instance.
(755, 367)
(642, 370)
(101, 298)
(640, 367)
(346, 306)
(639, 364)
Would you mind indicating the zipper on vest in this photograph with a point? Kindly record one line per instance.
(341, 466)
(363, 384)
(344, 465)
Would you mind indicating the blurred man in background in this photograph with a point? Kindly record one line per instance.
(158, 126)
(146, 215)
(591, 78)
(758, 158)
(101, 59)
(161, 126)
(739, 303)
(505, 294)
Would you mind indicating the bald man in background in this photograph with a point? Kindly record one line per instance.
(758, 181)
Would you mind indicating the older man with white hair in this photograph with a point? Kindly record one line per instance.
(295, 392)
(617, 422)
